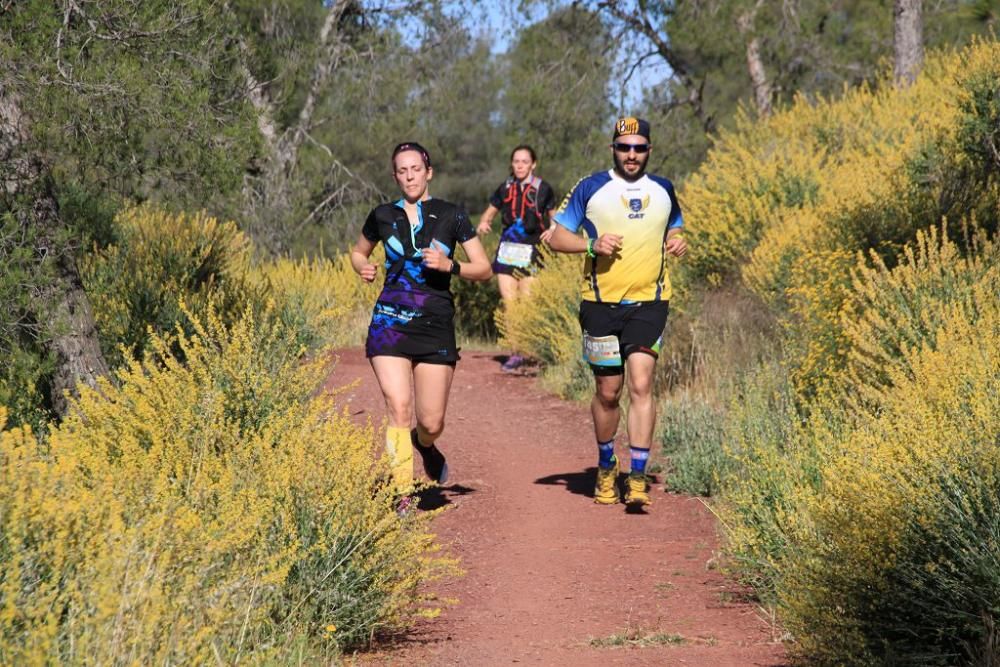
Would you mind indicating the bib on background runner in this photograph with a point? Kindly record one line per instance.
(515, 254)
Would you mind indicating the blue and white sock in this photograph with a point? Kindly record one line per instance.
(639, 457)
(606, 454)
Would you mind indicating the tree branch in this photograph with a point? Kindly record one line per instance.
(681, 72)
(331, 47)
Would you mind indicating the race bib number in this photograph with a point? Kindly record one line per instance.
(601, 350)
(515, 254)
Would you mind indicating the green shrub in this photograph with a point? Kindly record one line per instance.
(26, 371)
(476, 303)
(941, 599)
(25, 378)
(979, 113)
(707, 360)
(772, 459)
(692, 434)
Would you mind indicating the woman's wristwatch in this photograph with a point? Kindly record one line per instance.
(455, 268)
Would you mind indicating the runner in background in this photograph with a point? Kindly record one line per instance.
(411, 338)
(525, 203)
(630, 222)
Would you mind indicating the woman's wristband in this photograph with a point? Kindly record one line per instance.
(590, 248)
(455, 269)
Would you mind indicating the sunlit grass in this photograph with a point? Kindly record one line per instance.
(638, 638)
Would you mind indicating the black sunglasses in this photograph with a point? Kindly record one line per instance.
(625, 148)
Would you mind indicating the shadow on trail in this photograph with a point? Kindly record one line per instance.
(385, 640)
(580, 483)
(435, 497)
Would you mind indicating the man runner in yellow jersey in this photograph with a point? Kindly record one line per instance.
(630, 222)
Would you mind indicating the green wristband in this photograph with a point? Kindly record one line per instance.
(590, 248)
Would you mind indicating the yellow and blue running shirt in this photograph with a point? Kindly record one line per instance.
(642, 212)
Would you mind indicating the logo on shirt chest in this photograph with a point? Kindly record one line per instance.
(635, 206)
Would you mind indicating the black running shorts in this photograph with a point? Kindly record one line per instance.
(413, 325)
(612, 331)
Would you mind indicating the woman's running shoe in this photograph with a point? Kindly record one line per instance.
(406, 504)
(513, 362)
(435, 464)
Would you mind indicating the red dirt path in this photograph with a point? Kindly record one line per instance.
(547, 570)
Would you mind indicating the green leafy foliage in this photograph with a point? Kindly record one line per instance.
(560, 63)
(27, 363)
(138, 101)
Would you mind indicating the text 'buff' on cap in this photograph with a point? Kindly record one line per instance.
(631, 125)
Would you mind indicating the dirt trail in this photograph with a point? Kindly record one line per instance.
(547, 570)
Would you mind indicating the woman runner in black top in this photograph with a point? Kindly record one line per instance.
(411, 337)
(526, 203)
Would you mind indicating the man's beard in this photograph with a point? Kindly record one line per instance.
(620, 167)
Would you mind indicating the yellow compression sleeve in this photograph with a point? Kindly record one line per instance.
(400, 452)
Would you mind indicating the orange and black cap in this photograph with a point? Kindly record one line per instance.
(631, 125)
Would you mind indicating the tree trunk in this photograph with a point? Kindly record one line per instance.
(71, 330)
(755, 65)
(908, 41)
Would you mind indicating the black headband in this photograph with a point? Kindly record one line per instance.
(412, 146)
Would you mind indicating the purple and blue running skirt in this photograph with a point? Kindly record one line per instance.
(413, 324)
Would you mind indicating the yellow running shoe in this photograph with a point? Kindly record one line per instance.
(637, 491)
(606, 490)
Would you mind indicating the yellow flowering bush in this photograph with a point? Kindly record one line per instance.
(322, 300)
(205, 511)
(545, 324)
(160, 260)
(859, 479)
(892, 311)
(914, 170)
(786, 202)
(766, 186)
(883, 491)
(829, 515)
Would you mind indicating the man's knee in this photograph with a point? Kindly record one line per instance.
(608, 400)
(640, 387)
(641, 368)
(608, 391)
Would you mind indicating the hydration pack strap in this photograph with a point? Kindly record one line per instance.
(420, 240)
